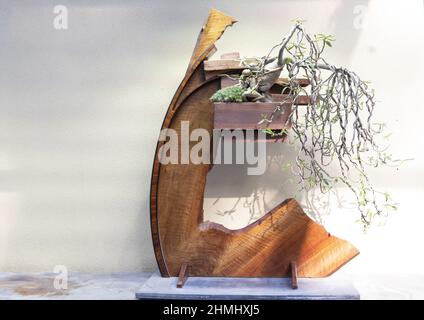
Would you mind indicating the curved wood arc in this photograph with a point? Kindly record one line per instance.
(204, 46)
(264, 248)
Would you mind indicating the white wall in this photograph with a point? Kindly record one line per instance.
(80, 112)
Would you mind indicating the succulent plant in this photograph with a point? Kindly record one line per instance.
(229, 94)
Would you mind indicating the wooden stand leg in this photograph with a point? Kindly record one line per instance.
(182, 277)
(293, 269)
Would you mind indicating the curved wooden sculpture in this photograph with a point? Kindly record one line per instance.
(180, 236)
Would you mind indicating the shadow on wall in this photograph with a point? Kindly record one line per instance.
(235, 199)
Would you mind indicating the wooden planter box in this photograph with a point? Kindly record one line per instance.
(247, 115)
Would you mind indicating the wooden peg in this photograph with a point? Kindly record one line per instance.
(293, 270)
(182, 277)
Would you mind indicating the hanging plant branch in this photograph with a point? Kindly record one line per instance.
(336, 127)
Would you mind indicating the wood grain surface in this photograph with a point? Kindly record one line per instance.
(247, 115)
(181, 237)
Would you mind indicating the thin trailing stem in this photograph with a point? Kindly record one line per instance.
(336, 126)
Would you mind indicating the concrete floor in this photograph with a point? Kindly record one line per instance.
(83, 286)
(80, 286)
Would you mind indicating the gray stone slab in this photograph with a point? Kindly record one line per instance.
(216, 288)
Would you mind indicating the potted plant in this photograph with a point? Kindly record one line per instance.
(325, 111)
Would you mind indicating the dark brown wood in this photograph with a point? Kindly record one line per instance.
(183, 275)
(228, 82)
(264, 248)
(293, 270)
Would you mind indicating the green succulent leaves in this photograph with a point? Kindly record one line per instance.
(229, 94)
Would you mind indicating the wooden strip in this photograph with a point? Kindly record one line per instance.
(293, 270)
(183, 276)
(220, 65)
